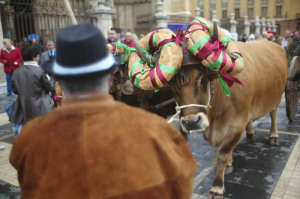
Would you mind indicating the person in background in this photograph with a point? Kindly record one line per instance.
(264, 35)
(286, 43)
(49, 55)
(93, 146)
(244, 38)
(34, 42)
(11, 58)
(23, 42)
(114, 35)
(251, 38)
(31, 85)
(128, 40)
(296, 38)
(141, 36)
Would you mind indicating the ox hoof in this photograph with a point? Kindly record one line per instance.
(251, 138)
(274, 141)
(229, 170)
(215, 195)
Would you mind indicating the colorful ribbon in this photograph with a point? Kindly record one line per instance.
(127, 50)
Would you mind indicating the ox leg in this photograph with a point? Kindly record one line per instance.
(229, 167)
(223, 158)
(274, 140)
(250, 132)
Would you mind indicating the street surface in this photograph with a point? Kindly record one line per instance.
(260, 171)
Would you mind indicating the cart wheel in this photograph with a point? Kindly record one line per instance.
(291, 92)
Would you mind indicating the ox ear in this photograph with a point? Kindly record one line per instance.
(144, 56)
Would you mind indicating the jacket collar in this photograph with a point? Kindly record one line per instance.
(12, 48)
(31, 63)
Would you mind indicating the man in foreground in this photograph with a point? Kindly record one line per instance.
(93, 146)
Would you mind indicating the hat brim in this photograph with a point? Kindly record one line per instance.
(54, 69)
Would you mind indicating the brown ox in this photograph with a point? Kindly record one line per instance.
(265, 76)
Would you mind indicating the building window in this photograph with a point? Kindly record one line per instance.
(224, 3)
(237, 1)
(278, 11)
(278, 1)
(224, 14)
(212, 4)
(237, 13)
(250, 2)
(250, 13)
(264, 12)
(264, 2)
(201, 4)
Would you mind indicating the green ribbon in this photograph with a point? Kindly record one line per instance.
(167, 44)
(135, 65)
(225, 40)
(137, 81)
(168, 69)
(224, 85)
(154, 40)
(127, 49)
(204, 22)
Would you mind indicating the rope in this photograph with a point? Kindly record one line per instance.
(178, 109)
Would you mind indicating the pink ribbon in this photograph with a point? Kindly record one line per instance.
(180, 36)
(229, 79)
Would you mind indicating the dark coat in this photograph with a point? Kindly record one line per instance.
(100, 148)
(32, 87)
(13, 56)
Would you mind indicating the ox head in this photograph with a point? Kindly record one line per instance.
(192, 89)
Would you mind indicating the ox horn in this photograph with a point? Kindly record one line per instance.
(145, 57)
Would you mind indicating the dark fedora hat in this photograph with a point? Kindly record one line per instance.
(80, 50)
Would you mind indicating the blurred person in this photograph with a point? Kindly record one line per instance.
(296, 39)
(134, 37)
(93, 146)
(286, 43)
(24, 41)
(49, 55)
(115, 35)
(31, 85)
(11, 58)
(141, 36)
(244, 38)
(34, 42)
(251, 38)
(257, 36)
(264, 35)
(128, 40)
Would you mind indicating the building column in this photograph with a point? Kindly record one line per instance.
(263, 25)
(257, 25)
(104, 16)
(160, 16)
(214, 18)
(246, 26)
(232, 23)
(269, 26)
(197, 12)
(274, 25)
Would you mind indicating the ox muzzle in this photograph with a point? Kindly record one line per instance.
(193, 123)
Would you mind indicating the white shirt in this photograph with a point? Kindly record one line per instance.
(284, 43)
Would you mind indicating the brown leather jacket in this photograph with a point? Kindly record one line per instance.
(99, 148)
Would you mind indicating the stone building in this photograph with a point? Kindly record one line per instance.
(285, 13)
(44, 18)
